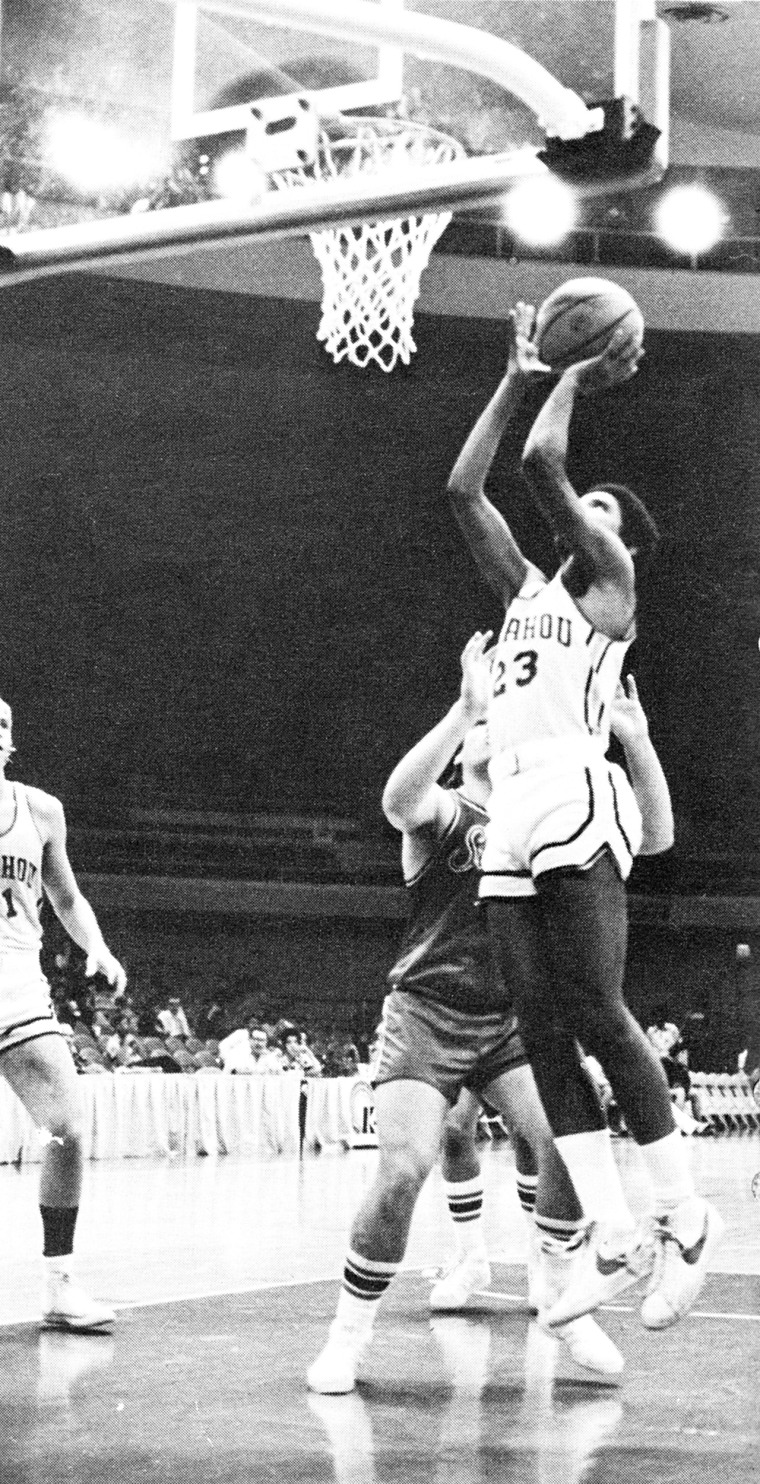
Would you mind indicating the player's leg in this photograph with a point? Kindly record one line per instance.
(42, 1074)
(518, 926)
(556, 1223)
(409, 1119)
(586, 921)
(469, 1271)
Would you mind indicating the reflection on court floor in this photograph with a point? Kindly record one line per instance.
(213, 1389)
(226, 1273)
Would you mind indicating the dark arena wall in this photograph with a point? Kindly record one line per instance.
(232, 583)
(231, 580)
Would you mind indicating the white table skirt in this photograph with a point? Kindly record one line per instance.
(134, 1115)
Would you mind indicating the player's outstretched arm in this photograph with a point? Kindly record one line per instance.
(412, 798)
(497, 555)
(544, 462)
(648, 781)
(70, 906)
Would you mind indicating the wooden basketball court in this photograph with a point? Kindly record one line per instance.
(225, 1273)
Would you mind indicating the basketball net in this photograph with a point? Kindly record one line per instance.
(371, 272)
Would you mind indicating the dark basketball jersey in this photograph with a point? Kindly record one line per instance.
(445, 951)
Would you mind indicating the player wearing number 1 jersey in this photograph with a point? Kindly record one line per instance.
(564, 827)
(34, 1058)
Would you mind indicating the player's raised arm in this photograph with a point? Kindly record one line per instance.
(497, 555)
(70, 906)
(412, 798)
(545, 460)
(650, 786)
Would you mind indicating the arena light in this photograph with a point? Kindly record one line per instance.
(95, 157)
(541, 212)
(690, 219)
(236, 177)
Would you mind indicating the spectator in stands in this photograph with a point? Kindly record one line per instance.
(102, 1027)
(127, 1011)
(348, 1059)
(604, 1093)
(247, 1051)
(123, 1049)
(297, 1054)
(685, 1097)
(172, 1021)
(212, 1025)
(663, 1034)
(68, 1012)
(86, 1058)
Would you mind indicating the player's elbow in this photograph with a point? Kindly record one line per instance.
(392, 807)
(539, 464)
(656, 841)
(460, 487)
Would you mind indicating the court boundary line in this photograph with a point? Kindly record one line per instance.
(501, 1298)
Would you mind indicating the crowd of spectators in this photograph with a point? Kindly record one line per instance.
(122, 1036)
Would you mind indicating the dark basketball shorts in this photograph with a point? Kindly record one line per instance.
(423, 1041)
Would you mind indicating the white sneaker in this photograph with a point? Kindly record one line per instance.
(333, 1373)
(679, 1270)
(68, 1307)
(587, 1344)
(465, 1276)
(599, 1274)
(590, 1347)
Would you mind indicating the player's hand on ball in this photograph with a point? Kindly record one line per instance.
(628, 718)
(103, 962)
(618, 363)
(523, 351)
(476, 675)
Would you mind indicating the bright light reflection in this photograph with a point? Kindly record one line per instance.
(96, 157)
(541, 212)
(236, 177)
(690, 219)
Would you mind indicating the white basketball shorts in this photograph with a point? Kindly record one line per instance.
(559, 815)
(26, 1010)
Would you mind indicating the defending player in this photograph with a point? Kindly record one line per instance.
(562, 833)
(34, 1057)
(447, 1024)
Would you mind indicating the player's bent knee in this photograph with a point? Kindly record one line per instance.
(64, 1133)
(403, 1172)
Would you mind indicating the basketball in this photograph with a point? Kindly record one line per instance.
(578, 320)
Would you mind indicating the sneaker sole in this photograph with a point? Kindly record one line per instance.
(87, 1326)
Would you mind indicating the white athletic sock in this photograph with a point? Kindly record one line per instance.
(465, 1203)
(592, 1169)
(364, 1283)
(55, 1267)
(667, 1162)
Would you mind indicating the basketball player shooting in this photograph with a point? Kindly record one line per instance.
(563, 832)
(34, 1057)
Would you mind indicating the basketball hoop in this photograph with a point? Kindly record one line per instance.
(371, 272)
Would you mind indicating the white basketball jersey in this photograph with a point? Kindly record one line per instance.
(553, 674)
(20, 879)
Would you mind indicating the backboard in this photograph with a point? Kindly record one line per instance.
(221, 60)
(109, 109)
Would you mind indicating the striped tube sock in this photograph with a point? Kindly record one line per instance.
(559, 1236)
(526, 1193)
(465, 1202)
(364, 1283)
